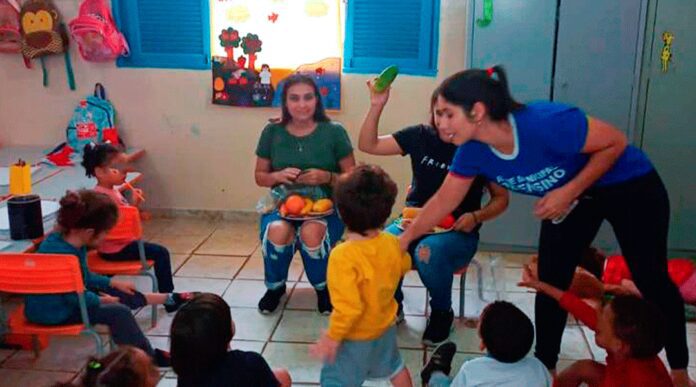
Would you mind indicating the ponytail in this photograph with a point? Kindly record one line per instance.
(94, 156)
(489, 86)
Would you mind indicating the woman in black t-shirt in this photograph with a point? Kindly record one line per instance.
(435, 256)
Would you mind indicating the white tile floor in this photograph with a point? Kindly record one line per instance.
(222, 257)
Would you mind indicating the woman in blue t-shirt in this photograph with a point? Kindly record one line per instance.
(436, 256)
(582, 170)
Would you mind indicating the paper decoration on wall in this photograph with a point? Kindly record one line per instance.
(316, 8)
(238, 14)
(666, 55)
(278, 38)
(236, 85)
(487, 14)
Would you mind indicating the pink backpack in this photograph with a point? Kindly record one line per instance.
(96, 34)
(10, 37)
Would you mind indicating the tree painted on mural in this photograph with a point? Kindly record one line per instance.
(229, 39)
(251, 44)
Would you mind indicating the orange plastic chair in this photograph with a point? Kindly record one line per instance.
(45, 274)
(127, 227)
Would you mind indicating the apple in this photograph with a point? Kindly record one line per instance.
(447, 222)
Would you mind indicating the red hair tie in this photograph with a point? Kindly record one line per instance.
(490, 72)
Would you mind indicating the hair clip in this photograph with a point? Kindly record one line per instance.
(490, 72)
(94, 365)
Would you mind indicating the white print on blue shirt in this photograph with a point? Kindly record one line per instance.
(430, 162)
(538, 182)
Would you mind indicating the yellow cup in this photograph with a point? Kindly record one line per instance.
(20, 178)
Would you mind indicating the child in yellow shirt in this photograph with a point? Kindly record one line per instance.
(363, 274)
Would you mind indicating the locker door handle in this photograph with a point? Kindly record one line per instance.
(487, 14)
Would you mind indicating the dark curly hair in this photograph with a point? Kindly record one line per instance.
(95, 156)
(365, 197)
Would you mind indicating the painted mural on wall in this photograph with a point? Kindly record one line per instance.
(258, 43)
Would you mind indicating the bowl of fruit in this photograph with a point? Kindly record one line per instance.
(409, 214)
(297, 207)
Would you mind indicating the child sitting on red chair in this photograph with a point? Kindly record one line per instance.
(100, 161)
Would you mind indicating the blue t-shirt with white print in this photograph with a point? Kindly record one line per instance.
(549, 138)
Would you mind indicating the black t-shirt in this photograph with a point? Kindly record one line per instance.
(237, 369)
(430, 162)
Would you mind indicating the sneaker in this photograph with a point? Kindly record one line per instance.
(400, 316)
(179, 300)
(324, 302)
(441, 360)
(269, 302)
(162, 358)
(438, 328)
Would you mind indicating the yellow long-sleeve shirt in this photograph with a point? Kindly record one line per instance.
(362, 277)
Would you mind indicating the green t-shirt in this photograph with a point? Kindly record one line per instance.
(321, 149)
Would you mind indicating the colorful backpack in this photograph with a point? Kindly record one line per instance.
(93, 121)
(10, 37)
(44, 34)
(96, 34)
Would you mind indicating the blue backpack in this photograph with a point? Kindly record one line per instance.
(94, 120)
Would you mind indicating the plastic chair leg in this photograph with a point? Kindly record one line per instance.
(154, 290)
(97, 340)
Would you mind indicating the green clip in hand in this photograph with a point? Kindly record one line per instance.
(487, 14)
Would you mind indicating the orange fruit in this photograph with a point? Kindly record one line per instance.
(410, 212)
(294, 204)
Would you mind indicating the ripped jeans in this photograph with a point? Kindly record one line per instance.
(437, 257)
(276, 259)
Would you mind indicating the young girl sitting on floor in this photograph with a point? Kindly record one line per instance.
(84, 218)
(201, 357)
(628, 328)
(125, 367)
(99, 161)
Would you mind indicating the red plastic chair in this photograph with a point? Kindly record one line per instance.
(45, 274)
(128, 227)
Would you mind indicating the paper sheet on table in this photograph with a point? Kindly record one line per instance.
(48, 208)
(5, 174)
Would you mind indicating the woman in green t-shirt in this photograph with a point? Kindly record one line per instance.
(304, 150)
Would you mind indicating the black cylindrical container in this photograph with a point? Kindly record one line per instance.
(26, 220)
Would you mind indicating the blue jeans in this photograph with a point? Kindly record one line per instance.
(359, 360)
(121, 322)
(437, 257)
(159, 254)
(439, 379)
(276, 258)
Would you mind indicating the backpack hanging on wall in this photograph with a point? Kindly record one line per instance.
(10, 36)
(93, 120)
(96, 34)
(44, 34)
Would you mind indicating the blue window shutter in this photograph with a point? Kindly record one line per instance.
(165, 33)
(380, 33)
